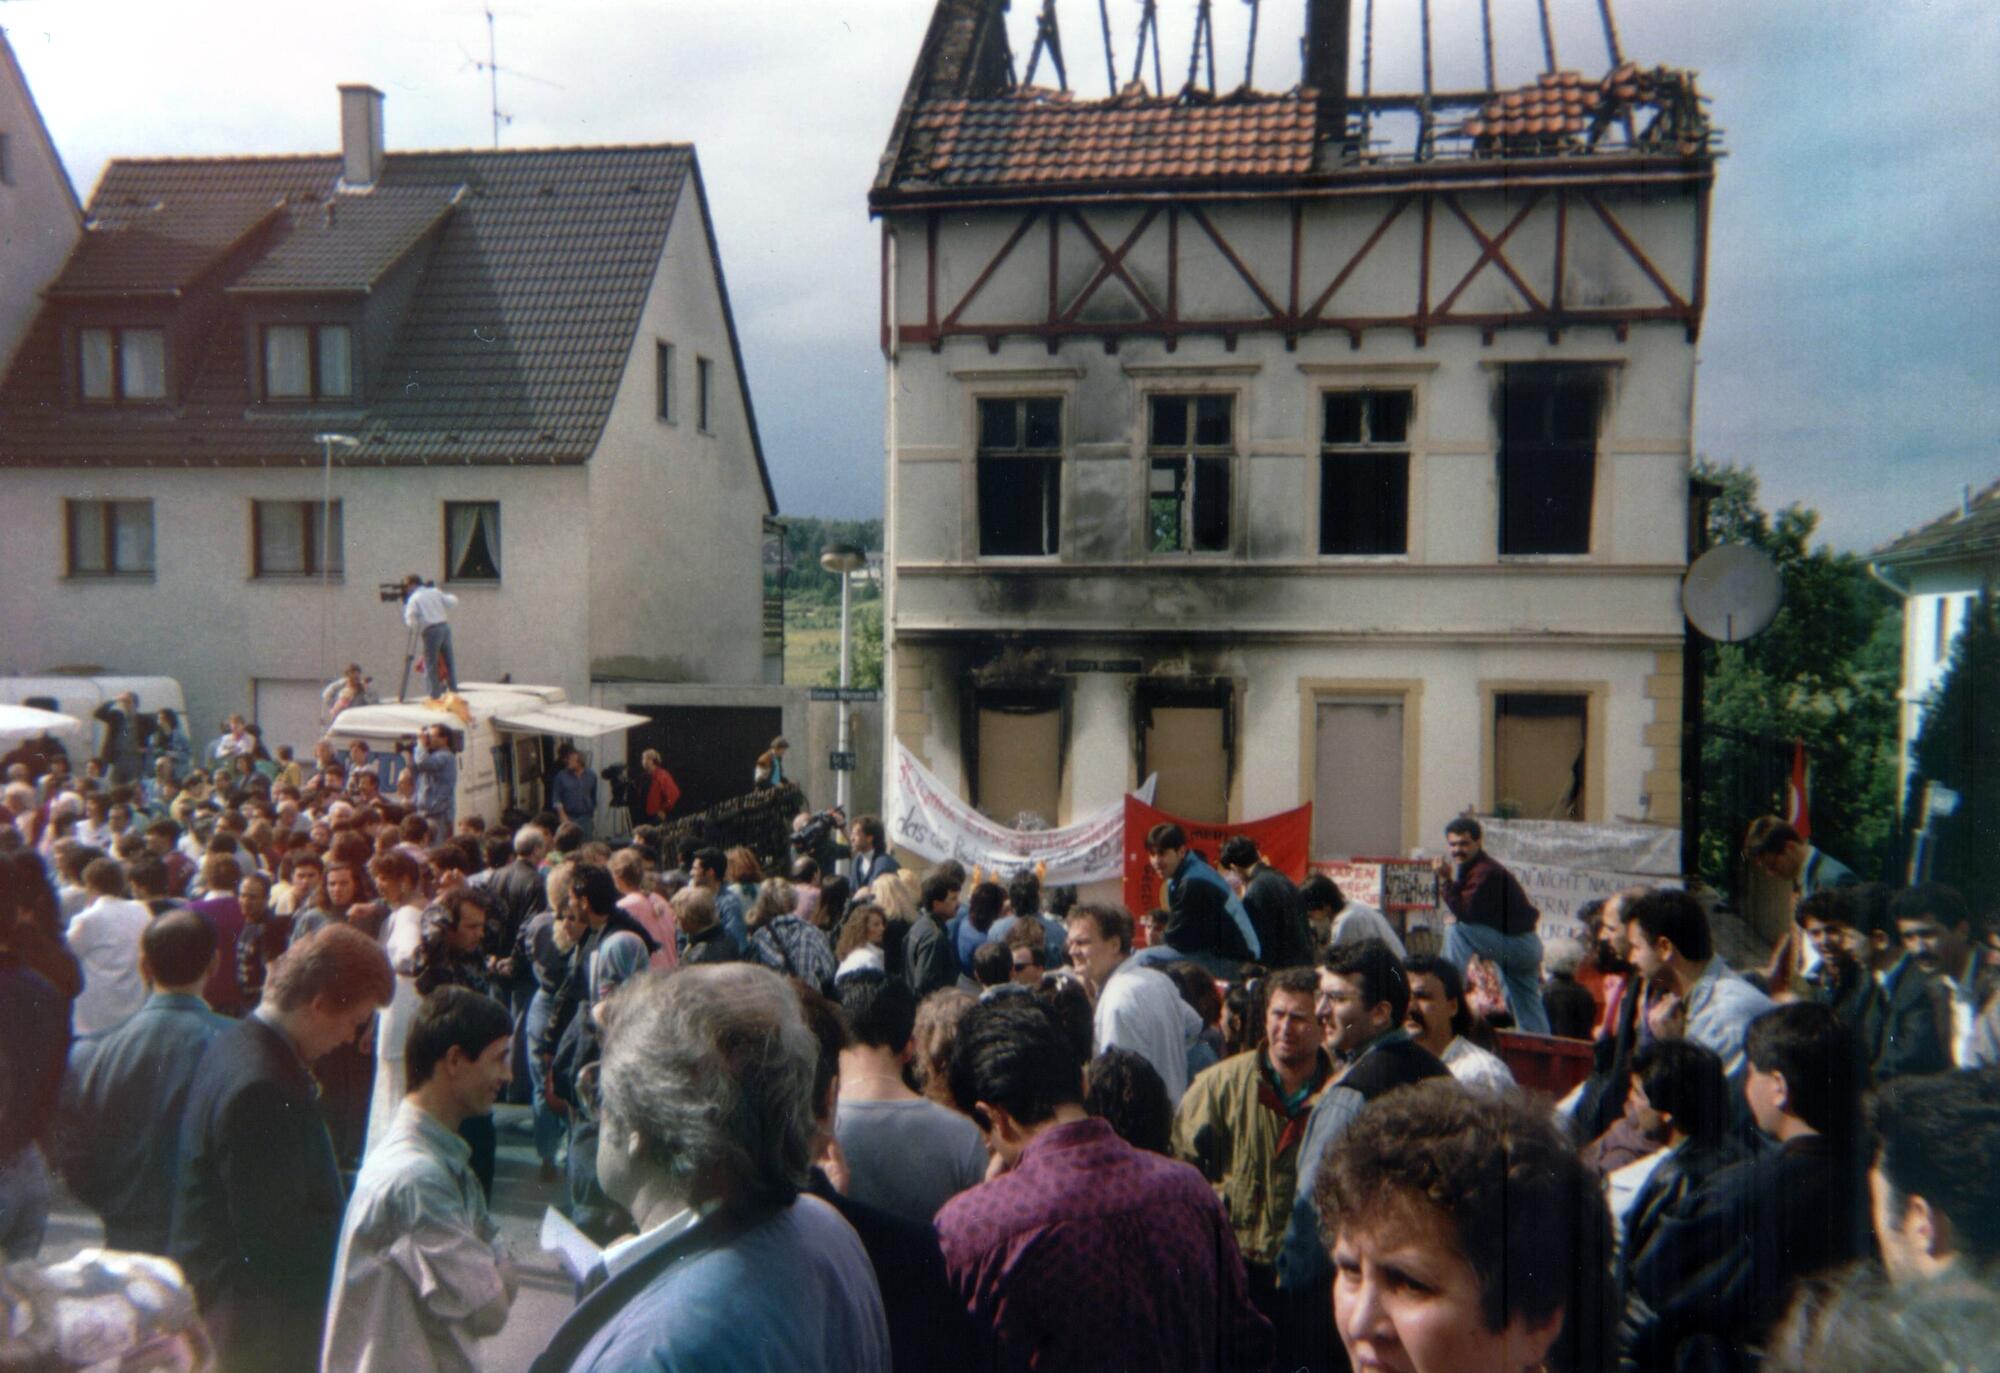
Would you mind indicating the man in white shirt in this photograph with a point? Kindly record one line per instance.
(423, 1273)
(1438, 1018)
(105, 939)
(427, 609)
(1138, 1008)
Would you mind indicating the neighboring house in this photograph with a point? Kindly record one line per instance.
(39, 216)
(1234, 441)
(1939, 569)
(532, 352)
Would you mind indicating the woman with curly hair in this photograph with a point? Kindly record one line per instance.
(860, 943)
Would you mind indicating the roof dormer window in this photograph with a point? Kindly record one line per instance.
(115, 365)
(308, 362)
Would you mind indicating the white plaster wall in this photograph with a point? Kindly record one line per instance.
(39, 221)
(203, 619)
(676, 514)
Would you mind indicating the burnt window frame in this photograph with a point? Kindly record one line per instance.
(1532, 444)
(1538, 697)
(1029, 697)
(1368, 448)
(111, 571)
(315, 393)
(1199, 693)
(309, 540)
(119, 396)
(1050, 461)
(1189, 456)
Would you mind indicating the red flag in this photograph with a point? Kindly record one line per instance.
(1283, 840)
(1797, 813)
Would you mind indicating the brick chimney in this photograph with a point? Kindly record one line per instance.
(1327, 23)
(360, 136)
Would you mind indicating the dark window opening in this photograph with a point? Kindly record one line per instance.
(703, 375)
(1549, 420)
(297, 538)
(1538, 755)
(1364, 472)
(1020, 478)
(663, 376)
(109, 538)
(472, 541)
(1190, 442)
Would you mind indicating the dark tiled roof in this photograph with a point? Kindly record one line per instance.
(1038, 137)
(510, 351)
(1972, 528)
(347, 242)
(138, 242)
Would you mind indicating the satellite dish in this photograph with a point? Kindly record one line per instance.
(1732, 593)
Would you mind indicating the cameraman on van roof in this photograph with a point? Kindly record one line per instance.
(426, 608)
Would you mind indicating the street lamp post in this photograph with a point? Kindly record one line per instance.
(842, 560)
(327, 443)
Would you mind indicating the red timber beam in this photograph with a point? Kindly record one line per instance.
(1062, 320)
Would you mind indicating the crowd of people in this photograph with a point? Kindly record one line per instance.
(259, 1019)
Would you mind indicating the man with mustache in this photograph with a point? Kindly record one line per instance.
(1941, 939)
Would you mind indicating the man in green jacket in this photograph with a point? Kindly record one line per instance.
(1242, 1120)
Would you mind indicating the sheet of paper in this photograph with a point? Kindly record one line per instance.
(570, 1245)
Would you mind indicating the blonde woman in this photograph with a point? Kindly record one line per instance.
(861, 941)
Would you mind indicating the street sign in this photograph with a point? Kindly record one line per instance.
(1079, 665)
(840, 762)
(849, 694)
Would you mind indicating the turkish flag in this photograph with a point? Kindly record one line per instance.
(1797, 814)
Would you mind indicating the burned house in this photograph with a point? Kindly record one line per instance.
(1321, 445)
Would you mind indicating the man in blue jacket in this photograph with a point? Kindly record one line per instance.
(1206, 921)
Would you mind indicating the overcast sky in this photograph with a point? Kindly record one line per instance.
(1852, 348)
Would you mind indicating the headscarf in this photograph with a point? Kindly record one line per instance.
(620, 958)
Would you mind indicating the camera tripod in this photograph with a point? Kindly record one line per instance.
(413, 648)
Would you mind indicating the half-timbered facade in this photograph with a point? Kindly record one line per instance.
(1303, 446)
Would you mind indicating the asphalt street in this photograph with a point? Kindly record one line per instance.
(519, 1200)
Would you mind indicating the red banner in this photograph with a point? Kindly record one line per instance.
(1284, 840)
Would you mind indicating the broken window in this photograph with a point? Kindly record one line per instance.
(472, 541)
(1364, 472)
(1020, 477)
(1538, 755)
(1016, 770)
(1189, 444)
(1548, 457)
(1186, 733)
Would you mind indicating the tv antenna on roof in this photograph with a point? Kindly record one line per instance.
(491, 66)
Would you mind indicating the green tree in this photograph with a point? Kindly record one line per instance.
(1958, 746)
(1825, 672)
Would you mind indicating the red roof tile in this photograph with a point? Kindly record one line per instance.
(1045, 137)
(1559, 106)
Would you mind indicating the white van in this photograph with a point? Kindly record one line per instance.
(504, 748)
(80, 696)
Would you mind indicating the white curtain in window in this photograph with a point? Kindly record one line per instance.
(280, 542)
(95, 347)
(336, 360)
(474, 535)
(132, 541)
(287, 361)
(142, 363)
(86, 536)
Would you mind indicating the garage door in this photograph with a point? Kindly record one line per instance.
(289, 712)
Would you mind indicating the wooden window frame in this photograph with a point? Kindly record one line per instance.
(314, 332)
(118, 395)
(1019, 452)
(309, 541)
(1189, 455)
(1331, 450)
(111, 570)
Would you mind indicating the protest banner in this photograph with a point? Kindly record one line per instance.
(1560, 894)
(929, 819)
(1284, 840)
